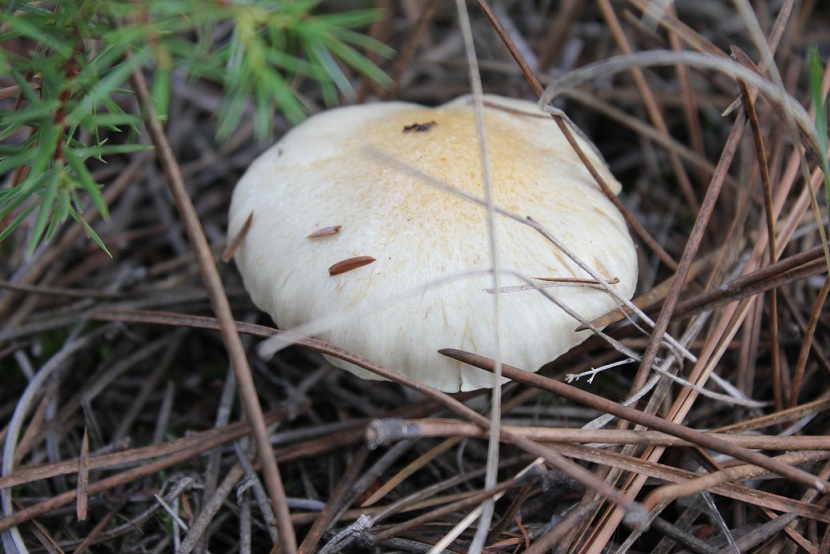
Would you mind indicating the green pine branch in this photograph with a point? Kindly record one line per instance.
(73, 60)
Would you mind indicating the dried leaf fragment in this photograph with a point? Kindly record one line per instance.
(325, 231)
(349, 264)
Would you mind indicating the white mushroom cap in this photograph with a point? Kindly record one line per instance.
(326, 173)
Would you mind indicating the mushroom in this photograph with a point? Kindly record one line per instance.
(337, 226)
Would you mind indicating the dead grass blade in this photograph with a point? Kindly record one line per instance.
(219, 302)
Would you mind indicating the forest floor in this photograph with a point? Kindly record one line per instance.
(119, 404)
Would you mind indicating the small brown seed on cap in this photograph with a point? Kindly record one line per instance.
(349, 264)
(325, 231)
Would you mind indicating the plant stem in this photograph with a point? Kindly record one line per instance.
(221, 307)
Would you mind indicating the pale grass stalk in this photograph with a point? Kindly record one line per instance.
(172, 512)
(491, 473)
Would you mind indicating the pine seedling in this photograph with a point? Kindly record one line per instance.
(71, 62)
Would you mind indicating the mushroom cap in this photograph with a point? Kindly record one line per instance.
(327, 172)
